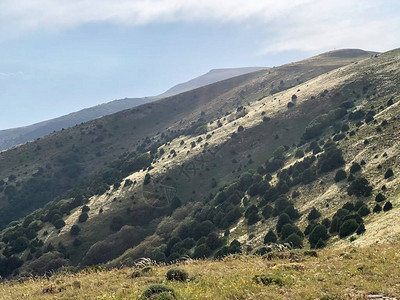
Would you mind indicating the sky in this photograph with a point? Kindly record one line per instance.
(60, 56)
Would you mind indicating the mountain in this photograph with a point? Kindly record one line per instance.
(298, 156)
(209, 78)
(16, 136)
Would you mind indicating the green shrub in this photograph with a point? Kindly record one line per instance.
(313, 214)
(377, 208)
(282, 220)
(299, 153)
(360, 229)
(163, 292)
(202, 251)
(380, 197)
(340, 175)
(59, 223)
(295, 240)
(363, 211)
(389, 173)
(348, 227)
(387, 206)
(359, 187)
(321, 244)
(319, 232)
(177, 274)
(267, 211)
(268, 280)
(83, 217)
(288, 229)
(270, 237)
(331, 159)
(355, 167)
(85, 208)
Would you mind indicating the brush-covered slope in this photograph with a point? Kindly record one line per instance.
(16, 136)
(209, 172)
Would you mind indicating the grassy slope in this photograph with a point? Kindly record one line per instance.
(353, 273)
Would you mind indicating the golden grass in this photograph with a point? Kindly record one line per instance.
(351, 273)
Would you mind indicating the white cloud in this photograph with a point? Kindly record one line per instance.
(34, 14)
(286, 24)
(10, 75)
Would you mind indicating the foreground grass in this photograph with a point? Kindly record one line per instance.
(353, 273)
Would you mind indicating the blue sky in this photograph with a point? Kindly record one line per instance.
(59, 56)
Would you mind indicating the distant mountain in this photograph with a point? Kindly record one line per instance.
(209, 78)
(20, 135)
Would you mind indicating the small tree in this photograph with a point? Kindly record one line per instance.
(380, 197)
(377, 208)
(360, 229)
(282, 220)
(387, 206)
(313, 214)
(355, 167)
(340, 175)
(389, 173)
(270, 237)
(83, 217)
(295, 240)
(363, 211)
(75, 229)
(348, 227)
(319, 232)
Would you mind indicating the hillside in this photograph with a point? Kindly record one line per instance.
(212, 76)
(16, 136)
(303, 154)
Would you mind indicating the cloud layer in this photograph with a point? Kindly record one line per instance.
(285, 25)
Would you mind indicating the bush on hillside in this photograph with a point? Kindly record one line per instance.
(359, 187)
(355, 167)
(313, 214)
(295, 240)
(319, 232)
(340, 175)
(388, 206)
(270, 237)
(177, 274)
(377, 208)
(380, 197)
(163, 292)
(282, 220)
(331, 159)
(83, 217)
(389, 173)
(348, 227)
(75, 229)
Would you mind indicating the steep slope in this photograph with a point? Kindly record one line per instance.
(20, 135)
(158, 168)
(16, 136)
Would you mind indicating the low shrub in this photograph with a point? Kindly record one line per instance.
(268, 279)
(340, 175)
(163, 292)
(177, 274)
(387, 206)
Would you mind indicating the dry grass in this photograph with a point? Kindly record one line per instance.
(335, 274)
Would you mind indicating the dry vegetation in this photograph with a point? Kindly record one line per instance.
(352, 273)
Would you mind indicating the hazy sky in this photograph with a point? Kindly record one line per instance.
(59, 56)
